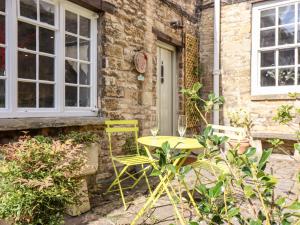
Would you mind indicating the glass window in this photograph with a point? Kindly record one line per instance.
(44, 85)
(277, 49)
(78, 61)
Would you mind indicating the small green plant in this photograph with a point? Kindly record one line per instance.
(37, 180)
(240, 118)
(80, 137)
(202, 106)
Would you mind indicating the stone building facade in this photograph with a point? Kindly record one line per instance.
(125, 27)
(236, 72)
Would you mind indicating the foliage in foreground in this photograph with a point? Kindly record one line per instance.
(238, 189)
(37, 179)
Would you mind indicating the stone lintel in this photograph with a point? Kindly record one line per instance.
(166, 38)
(37, 123)
(97, 5)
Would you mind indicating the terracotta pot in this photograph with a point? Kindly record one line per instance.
(240, 145)
(189, 160)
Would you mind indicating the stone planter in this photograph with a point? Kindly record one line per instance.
(241, 145)
(91, 167)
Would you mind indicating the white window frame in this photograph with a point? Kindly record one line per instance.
(256, 88)
(60, 110)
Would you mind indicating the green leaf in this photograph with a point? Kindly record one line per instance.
(201, 188)
(155, 173)
(285, 222)
(247, 170)
(255, 222)
(171, 167)
(264, 158)
(197, 86)
(193, 223)
(249, 192)
(295, 206)
(297, 147)
(280, 202)
(233, 212)
(216, 190)
(184, 170)
(250, 152)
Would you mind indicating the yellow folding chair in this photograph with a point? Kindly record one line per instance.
(126, 127)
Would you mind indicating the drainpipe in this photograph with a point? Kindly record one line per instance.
(216, 69)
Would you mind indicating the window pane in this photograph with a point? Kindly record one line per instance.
(47, 12)
(2, 29)
(286, 77)
(84, 74)
(286, 57)
(26, 65)
(298, 12)
(85, 27)
(84, 50)
(286, 35)
(46, 68)
(267, 38)
(84, 100)
(71, 46)
(46, 40)
(26, 36)
(2, 93)
(286, 14)
(28, 8)
(71, 72)
(71, 96)
(71, 22)
(2, 62)
(26, 95)
(46, 98)
(267, 18)
(268, 58)
(268, 78)
(2, 5)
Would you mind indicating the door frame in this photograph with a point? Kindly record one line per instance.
(175, 97)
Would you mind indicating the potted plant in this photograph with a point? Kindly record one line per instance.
(240, 118)
(90, 143)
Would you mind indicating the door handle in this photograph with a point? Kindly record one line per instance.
(162, 73)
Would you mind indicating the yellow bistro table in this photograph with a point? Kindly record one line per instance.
(187, 145)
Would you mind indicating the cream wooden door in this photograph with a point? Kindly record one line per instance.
(165, 81)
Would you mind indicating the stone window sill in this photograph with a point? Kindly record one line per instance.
(270, 97)
(37, 123)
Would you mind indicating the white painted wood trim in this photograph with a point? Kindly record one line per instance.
(11, 110)
(256, 89)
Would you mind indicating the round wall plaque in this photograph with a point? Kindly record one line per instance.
(140, 62)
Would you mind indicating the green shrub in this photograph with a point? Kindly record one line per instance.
(86, 137)
(37, 180)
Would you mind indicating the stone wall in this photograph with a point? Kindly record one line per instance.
(236, 64)
(129, 30)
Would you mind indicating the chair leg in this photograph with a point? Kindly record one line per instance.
(147, 181)
(116, 179)
(119, 183)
